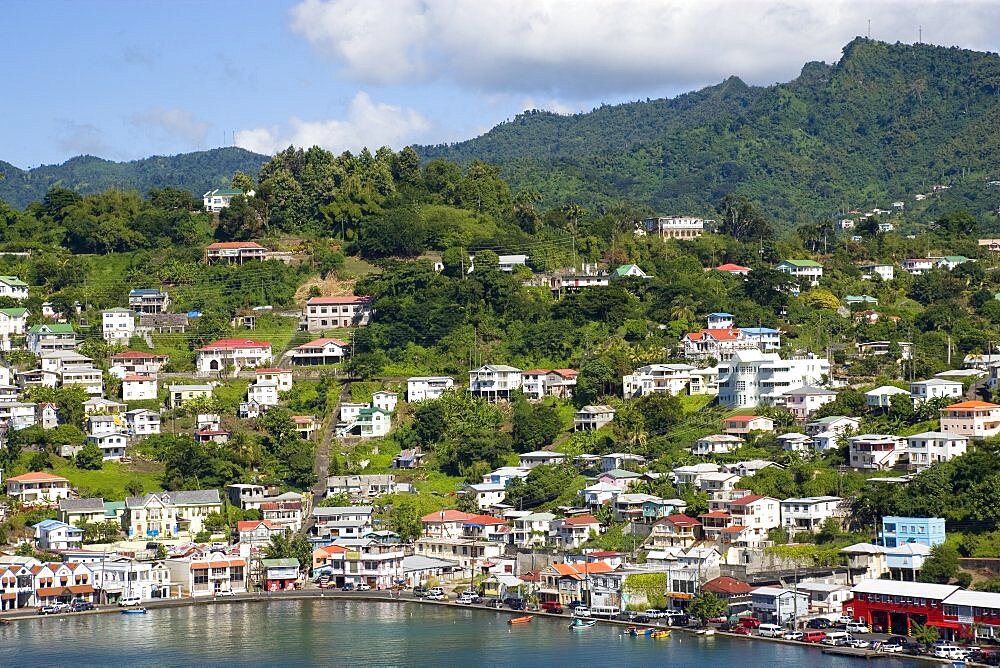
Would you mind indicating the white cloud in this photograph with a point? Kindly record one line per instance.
(586, 48)
(367, 123)
(82, 139)
(173, 124)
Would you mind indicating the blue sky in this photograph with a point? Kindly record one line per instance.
(125, 80)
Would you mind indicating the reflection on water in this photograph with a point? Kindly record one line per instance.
(339, 633)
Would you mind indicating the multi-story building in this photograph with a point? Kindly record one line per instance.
(494, 381)
(875, 452)
(898, 531)
(148, 300)
(319, 351)
(673, 227)
(354, 561)
(975, 419)
(115, 578)
(808, 271)
(235, 252)
(37, 488)
(323, 313)
(806, 400)
(56, 535)
(134, 361)
(917, 265)
(236, 354)
(540, 383)
(885, 271)
(13, 322)
(423, 388)
(776, 605)
(576, 282)
(142, 422)
(209, 575)
(752, 378)
(139, 388)
(719, 344)
(592, 417)
(674, 531)
(178, 395)
(47, 338)
(892, 606)
(169, 514)
(361, 487)
(370, 422)
(342, 521)
(657, 379)
(118, 325)
(13, 287)
(763, 338)
(935, 388)
(217, 199)
(532, 529)
(810, 512)
(715, 444)
(931, 447)
(838, 424)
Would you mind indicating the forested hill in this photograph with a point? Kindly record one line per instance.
(196, 172)
(884, 122)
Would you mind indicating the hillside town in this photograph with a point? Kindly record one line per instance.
(767, 498)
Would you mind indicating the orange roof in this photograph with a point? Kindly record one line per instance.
(226, 344)
(135, 354)
(715, 513)
(734, 529)
(577, 571)
(745, 500)
(330, 549)
(37, 477)
(681, 520)
(729, 266)
(484, 519)
(742, 418)
(135, 378)
(449, 515)
(727, 585)
(220, 245)
(272, 370)
(338, 300)
(250, 525)
(319, 343)
(566, 373)
(966, 405)
(581, 520)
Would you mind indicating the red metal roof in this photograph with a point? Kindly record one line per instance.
(319, 343)
(745, 500)
(450, 515)
(581, 520)
(228, 245)
(729, 266)
(230, 344)
(352, 299)
(37, 477)
(682, 520)
(727, 585)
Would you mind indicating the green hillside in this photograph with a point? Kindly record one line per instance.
(885, 122)
(194, 172)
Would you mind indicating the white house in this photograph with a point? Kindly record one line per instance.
(838, 424)
(540, 383)
(720, 344)
(804, 270)
(975, 419)
(486, 494)
(178, 395)
(118, 325)
(169, 514)
(764, 338)
(37, 488)
(18, 414)
(795, 442)
(319, 351)
(370, 422)
(264, 393)
(385, 400)
(139, 388)
(56, 535)
(881, 397)
(875, 452)
(217, 199)
(13, 322)
(716, 444)
(494, 381)
(776, 605)
(530, 460)
(930, 447)
(335, 312)
(810, 512)
(934, 388)
(13, 287)
(89, 378)
(917, 265)
(657, 379)
(806, 400)
(142, 422)
(692, 474)
(282, 378)
(885, 271)
(741, 425)
(209, 575)
(47, 337)
(234, 353)
(672, 227)
(592, 417)
(112, 445)
(422, 388)
(752, 378)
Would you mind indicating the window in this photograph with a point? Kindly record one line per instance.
(201, 576)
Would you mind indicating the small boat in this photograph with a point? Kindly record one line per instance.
(632, 631)
(660, 633)
(4, 622)
(582, 624)
(134, 611)
(706, 632)
(520, 620)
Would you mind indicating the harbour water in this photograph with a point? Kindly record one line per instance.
(366, 633)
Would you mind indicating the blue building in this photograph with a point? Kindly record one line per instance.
(898, 531)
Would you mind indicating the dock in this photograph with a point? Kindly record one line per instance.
(857, 653)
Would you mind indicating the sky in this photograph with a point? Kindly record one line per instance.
(125, 80)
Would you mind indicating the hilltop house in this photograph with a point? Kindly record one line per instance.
(733, 269)
(422, 388)
(234, 252)
(806, 400)
(139, 388)
(13, 322)
(234, 353)
(319, 351)
(930, 447)
(657, 379)
(133, 361)
(881, 397)
(935, 388)
(592, 417)
(672, 227)
(752, 378)
(323, 313)
(876, 452)
(810, 512)
(494, 381)
(148, 300)
(47, 337)
(540, 383)
(169, 514)
(975, 419)
(177, 395)
(217, 199)
(809, 271)
(13, 287)
(741, 425)
(37, 488)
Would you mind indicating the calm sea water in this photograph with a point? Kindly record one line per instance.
(356, 633)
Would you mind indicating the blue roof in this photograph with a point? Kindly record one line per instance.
(50, 524)
(721, 315)
(144, 291)
(758, 330)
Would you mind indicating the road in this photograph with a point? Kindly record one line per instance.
(321, 465)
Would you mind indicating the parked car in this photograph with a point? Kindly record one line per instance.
(493, 603)
(859, 643)
(581, 611)
(655, 613)
(843, 620)
(891, 647)
(742, 630)
(465, 598)
(857, 627)
(127, 601)
(555, 607)
(364, 586)
(573, 605)
(722, 619)
(678, 619)
(49, 610)
(794, 635)
(437, 594)
(642, 619)
(348, 586)
(514, 603)
(80, 606)
(813, 636)
(819, 623)
(749, 622)
(420, 591)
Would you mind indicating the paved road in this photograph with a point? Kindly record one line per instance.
(321, 465)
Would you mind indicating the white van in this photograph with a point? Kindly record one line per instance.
(949, 652)
(128, 601)
(837, 638)
(770, 630)
(857, 627)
